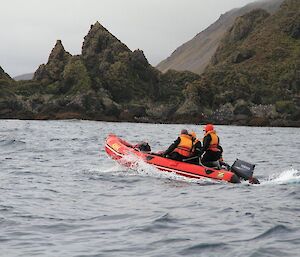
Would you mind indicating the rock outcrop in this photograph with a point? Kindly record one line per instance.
(100, 45)
(4, 76)
(107, 81)
(8, 99)
(53, 70)
(114, 67)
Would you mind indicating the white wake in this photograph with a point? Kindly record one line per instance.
(290, 176)
(141, 168)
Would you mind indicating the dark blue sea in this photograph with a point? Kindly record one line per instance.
(61, 195)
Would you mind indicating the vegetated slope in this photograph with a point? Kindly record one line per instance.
(7, 97)
(254, 76)
(195, 54)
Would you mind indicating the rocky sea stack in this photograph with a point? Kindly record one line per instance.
(106, 82)
(53, 70)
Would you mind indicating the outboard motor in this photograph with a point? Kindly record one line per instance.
(243, 169)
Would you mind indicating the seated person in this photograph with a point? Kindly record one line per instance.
(196, 150)
(211, 147)
(181, 148)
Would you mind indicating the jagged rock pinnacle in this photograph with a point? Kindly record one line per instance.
(99, 39)
(58, 52)
(54, 68)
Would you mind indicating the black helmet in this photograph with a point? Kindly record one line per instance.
(184, 131)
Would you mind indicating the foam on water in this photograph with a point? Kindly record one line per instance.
(290, 176)
(141, 168)
(112, 169)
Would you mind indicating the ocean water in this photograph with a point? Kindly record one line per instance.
(61, 195)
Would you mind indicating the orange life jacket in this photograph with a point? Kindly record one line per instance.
(213, 146)
(195, 141)
(185, 146)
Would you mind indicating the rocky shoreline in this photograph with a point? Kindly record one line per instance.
(265, 116)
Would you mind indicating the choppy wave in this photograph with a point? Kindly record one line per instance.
(61, 195)
(278, 230)
(204, 249)
(141, 168)
(8, 142)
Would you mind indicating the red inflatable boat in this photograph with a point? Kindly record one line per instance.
(117, 148)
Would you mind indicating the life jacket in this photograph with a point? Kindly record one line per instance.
(213, 146)
(195, 141)
(185, 146)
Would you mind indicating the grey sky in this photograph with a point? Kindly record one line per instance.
(29, 29)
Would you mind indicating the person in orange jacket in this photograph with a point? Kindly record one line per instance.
(181, 148)
(196, 150)
(211, 150)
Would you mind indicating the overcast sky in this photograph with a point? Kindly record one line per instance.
(30, 28)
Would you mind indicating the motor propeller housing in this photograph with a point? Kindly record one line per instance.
(243, 169)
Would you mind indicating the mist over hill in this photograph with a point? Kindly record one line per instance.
(27, 76)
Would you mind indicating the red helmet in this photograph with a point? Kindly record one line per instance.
(209, 127)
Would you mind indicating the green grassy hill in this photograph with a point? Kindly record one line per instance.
(256, 64)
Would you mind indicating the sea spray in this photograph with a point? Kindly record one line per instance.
(289, 176)
(139, 167)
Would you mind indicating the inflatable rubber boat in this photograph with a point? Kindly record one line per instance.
(118, 148)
